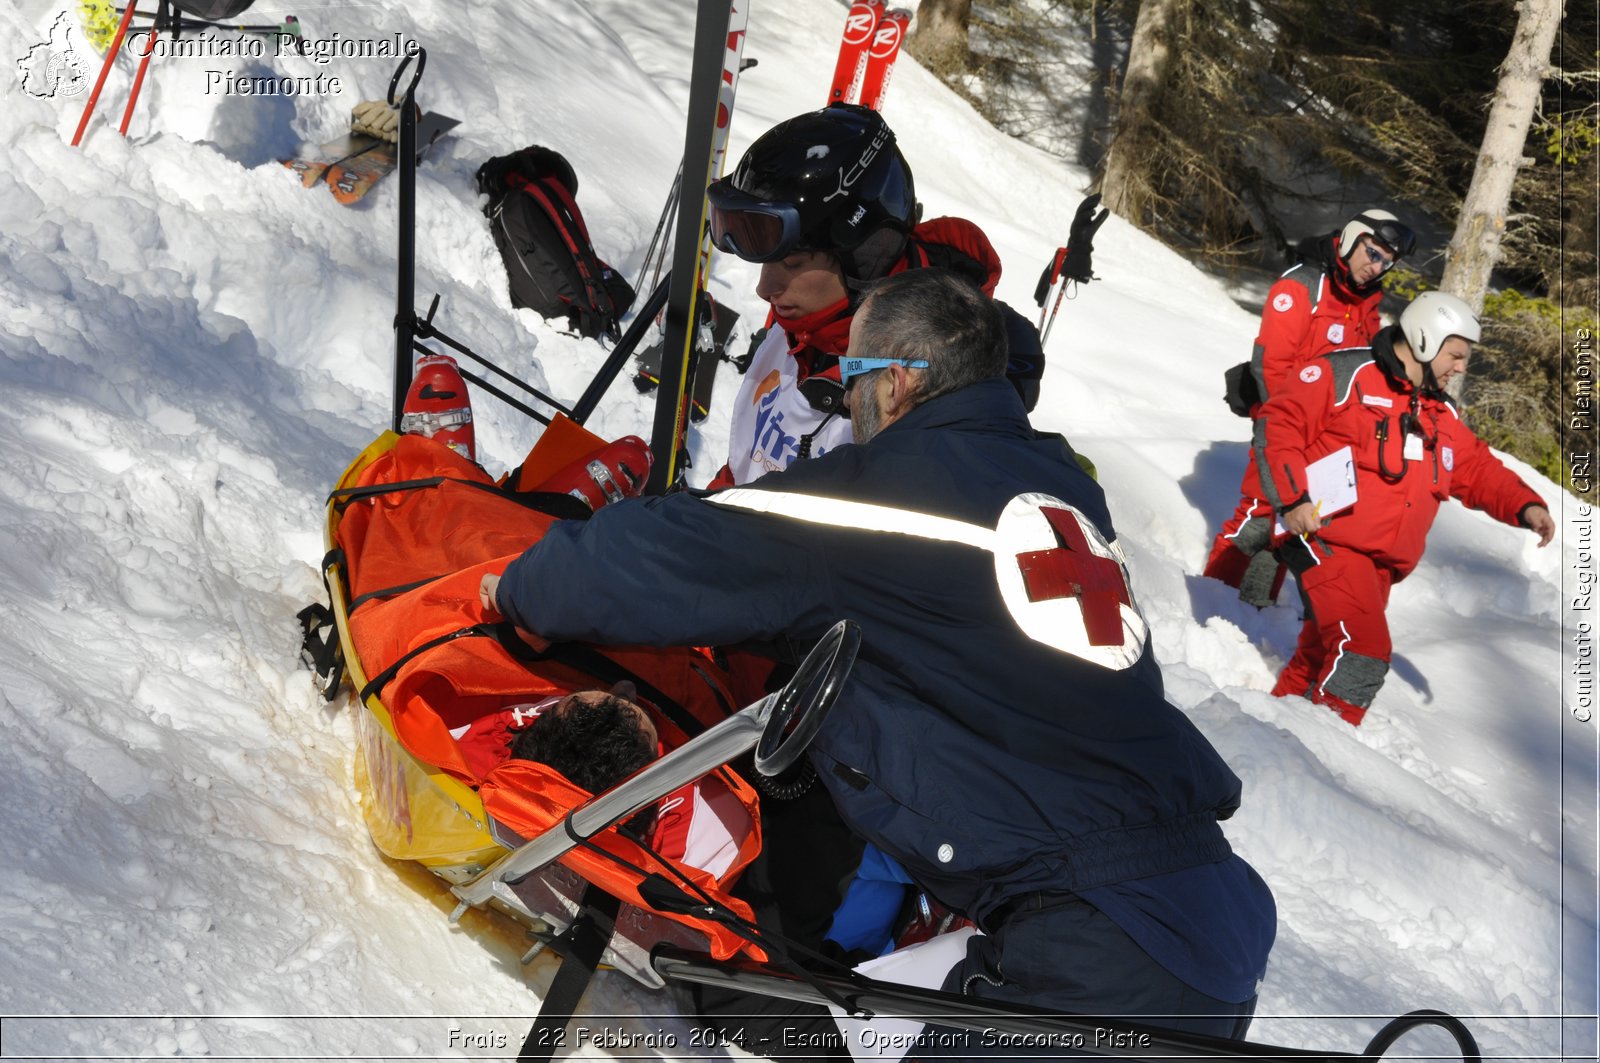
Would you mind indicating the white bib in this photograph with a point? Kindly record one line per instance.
(770, 415)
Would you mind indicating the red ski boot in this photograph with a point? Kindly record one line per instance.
(438, 406)
(614, 472)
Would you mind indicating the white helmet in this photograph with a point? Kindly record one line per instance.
(1381, 226)
(1434, 317)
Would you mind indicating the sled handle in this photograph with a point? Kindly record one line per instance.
(799, 708)
(421, 56)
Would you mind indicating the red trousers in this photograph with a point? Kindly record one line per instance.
(1342, 655)
(1240, 556)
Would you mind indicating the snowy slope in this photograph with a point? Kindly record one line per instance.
(192, 346)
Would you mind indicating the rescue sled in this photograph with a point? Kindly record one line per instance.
(424, 664)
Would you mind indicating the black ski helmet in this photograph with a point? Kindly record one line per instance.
(830, 180)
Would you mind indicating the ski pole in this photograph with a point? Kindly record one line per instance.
(105, 69)
(1047, 282)
(1045, 335)
(144, 66)
(668, 212)
(405, 312)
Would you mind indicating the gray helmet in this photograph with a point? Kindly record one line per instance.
(1434, 317)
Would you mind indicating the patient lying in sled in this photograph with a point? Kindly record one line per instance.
(536, 734)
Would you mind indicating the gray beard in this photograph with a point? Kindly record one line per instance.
(866, 415)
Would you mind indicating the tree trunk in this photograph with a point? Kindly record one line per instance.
(940, 39)
(1475, 247)
(1124, 184)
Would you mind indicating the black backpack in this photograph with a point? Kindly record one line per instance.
(534, 216)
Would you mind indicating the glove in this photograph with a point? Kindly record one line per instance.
(375, 118)
(1078, 264)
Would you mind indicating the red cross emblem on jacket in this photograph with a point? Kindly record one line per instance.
(1074, 570)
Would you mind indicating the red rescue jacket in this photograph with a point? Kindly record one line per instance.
(1311, 311)
(1362, 399)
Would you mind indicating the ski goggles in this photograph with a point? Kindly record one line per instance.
(756, 230)
(854, 367)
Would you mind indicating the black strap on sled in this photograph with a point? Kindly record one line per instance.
(320, 650)
(319, 635)
(584, 658)
(388, 592)
(381, 680)
(574, 655)
(555, 504)
(580, 946)
(686, 897)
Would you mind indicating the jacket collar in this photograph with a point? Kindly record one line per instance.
(1338, 271)
(1388, 361)
(1393, 368)
(987, 406)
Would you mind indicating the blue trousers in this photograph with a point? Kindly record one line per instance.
(1059, 952)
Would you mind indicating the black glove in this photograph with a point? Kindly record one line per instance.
(1240, 390)
(1078, 265)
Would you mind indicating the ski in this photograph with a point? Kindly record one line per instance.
(353, 164)
(715, 322)
(313, 168)
(711, 346)
(859, 25)
(710, 100)
(886, 38)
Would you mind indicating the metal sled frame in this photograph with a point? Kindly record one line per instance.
(410, 330)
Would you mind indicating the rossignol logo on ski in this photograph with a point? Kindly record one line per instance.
(887, 39)
(859, 23)
(848, 178)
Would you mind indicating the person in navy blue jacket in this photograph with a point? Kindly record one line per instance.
(1004, 735)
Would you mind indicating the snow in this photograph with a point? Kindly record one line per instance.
(192, 347)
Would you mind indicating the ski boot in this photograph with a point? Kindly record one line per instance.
(438, 406)
(614, 472)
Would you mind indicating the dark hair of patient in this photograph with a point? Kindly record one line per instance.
(595, 745)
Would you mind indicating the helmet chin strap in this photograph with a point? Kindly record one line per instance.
(873, 257)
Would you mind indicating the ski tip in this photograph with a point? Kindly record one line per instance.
(309, 171)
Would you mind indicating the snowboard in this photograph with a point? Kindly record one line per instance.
(711, 344)
(354, 163)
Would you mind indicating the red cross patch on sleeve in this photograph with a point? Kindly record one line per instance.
(1064, 584)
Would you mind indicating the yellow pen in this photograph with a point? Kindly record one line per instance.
(1316, 515)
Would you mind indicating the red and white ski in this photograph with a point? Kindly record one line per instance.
(886, 38)
(859, 27)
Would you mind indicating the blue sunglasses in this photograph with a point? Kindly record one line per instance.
(851, 367)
